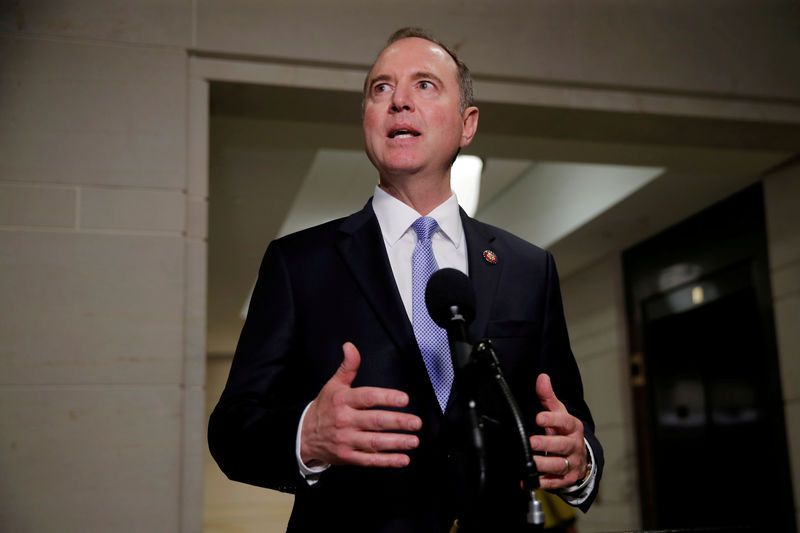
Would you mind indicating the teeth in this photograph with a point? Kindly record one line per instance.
(401, 134)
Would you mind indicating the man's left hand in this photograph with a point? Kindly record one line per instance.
(564, 462)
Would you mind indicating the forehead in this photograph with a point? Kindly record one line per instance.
(414, 54)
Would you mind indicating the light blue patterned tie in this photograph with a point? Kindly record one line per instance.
(432, 339)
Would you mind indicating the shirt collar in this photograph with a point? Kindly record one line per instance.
(395, 217)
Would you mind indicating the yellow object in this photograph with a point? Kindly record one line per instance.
(556, 511)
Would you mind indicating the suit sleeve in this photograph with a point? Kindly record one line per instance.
(251, 432)
(559, 363)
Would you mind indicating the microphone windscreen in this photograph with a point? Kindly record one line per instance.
(449, 287)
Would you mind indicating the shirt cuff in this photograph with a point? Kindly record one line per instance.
(309, 473)
(578, 493)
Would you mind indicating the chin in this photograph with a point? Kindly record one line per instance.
(399, 166)
(402, 171)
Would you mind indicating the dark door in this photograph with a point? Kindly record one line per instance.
(708, 405)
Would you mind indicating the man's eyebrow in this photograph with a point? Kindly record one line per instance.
(423, 74)
(379, 77)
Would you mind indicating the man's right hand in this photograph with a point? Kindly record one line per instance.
(340, 426)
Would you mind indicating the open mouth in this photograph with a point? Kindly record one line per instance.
(403, 134)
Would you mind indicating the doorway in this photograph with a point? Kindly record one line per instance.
(707, 391)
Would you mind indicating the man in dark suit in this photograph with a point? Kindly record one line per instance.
(336, 393)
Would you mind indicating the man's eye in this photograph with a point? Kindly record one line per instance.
(425, 85)
(381, 88)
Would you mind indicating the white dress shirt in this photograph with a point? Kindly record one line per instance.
(448, 242)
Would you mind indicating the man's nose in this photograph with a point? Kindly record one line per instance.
(402, 100)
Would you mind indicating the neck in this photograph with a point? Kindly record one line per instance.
(420, 194)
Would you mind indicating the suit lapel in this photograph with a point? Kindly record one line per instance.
(484, 274)
(362, 250)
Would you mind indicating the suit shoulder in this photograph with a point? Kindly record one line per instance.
(310, 237)
(318, 241)
(307, 246)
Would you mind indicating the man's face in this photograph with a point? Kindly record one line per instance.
(412, 120)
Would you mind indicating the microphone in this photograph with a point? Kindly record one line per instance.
(450, 300)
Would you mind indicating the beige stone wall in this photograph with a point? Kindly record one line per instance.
(594, 304)
(782, 198)
(101, 259)
(679, 46)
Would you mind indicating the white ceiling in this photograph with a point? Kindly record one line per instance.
(549, 200)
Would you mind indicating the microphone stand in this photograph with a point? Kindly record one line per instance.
(461, 353)
(466, 360)
(484, 353)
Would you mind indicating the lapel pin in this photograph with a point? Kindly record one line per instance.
(490, 256)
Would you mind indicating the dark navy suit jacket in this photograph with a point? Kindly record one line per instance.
(321, 287)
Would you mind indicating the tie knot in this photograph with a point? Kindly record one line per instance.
(424, 227)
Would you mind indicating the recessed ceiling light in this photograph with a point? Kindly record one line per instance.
(465, 180)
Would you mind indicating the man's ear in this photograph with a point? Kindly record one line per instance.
(470, 120)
